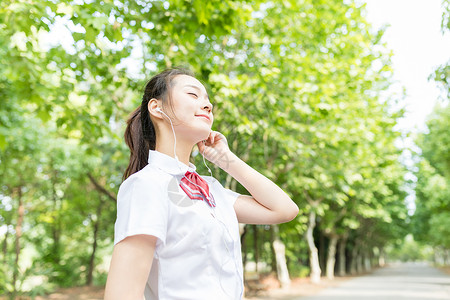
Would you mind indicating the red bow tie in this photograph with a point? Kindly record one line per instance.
(196, 188)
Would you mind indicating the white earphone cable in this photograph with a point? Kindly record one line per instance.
(215, 217)
(175, 153)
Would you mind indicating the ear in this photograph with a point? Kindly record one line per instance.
(152, 105)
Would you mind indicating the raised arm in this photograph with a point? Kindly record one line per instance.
(130, 266)
(268, 203)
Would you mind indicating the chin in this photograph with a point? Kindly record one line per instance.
(197, 134)
(205, 135)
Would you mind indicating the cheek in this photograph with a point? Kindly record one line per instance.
(183, 111)
(187, 107)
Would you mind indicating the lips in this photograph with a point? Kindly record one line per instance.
(204, 116)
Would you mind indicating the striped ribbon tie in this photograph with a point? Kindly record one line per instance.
(196, 188)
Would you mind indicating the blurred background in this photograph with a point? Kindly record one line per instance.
(347, 114)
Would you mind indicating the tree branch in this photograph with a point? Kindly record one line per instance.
(101, 189)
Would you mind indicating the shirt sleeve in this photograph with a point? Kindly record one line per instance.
(229, 195)
(142, 208)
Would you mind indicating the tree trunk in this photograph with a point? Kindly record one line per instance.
(341, 253)
(381, 258)
(359, 261)
(354, 260)
(322, 250)
(89, 277)
(91, 267)
(313, 253)
(56, 226)
(438, 259)
(20, 216)
(273, 255)
(5, 244)
(331, 257)
(56, 233)
(446, 257)
(367, 260)
(280, 257)
(255, 247)
(375, 257)
(244, 247)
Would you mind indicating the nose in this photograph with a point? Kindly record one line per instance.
(208, 107)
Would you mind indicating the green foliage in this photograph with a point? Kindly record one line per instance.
(435, 144)
(296, 87)
(409, 250)
(431, 219)
(298, 270)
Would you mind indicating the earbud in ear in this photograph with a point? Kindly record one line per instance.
(158, 109)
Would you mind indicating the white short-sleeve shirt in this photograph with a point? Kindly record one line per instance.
(198, 251)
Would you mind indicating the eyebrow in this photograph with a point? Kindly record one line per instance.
(197, 88)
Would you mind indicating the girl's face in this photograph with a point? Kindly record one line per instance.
(193, 111)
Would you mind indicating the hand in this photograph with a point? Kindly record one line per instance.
(215, 149)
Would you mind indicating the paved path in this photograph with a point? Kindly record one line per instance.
(409, 281)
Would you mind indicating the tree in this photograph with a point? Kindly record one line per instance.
(295, 86)
(431, 218)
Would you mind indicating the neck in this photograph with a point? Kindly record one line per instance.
(183, 149)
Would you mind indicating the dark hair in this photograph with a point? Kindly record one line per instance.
(140, 133)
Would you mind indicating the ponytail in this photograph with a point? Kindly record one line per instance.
(140, 134)
(138, 142)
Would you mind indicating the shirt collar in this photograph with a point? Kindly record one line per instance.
(168, 164)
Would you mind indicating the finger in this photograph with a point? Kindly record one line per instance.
(216, 136)
(207, 140)
(200, 146)
(219, 137)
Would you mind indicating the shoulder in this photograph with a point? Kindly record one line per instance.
(149, 179)
(147, 175)
(218, 189)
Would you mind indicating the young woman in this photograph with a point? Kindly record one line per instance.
(176, 233)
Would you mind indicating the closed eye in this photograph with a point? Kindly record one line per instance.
(193, 94)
